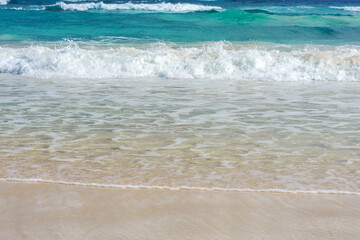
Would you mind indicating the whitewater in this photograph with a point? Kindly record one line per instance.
(219, 60)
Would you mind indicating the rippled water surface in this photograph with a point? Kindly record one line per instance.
(171, 132)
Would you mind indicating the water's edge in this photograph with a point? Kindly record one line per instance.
(180, 188)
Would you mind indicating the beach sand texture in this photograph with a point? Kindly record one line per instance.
(55, 211)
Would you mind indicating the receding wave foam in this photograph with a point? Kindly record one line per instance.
(159, 7)
(128, 186)
(220, 60)
(349, 8)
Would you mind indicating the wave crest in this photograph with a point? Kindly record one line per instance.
(159, 7)
(220, 60)
(4, 2)
(348, 8)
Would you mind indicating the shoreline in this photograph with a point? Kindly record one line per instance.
(58, 211)
(180, 188)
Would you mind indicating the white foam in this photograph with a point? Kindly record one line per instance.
(4, 2)
(159, 7)
(306, 7)
(32, 8)
(348, 8)
(218, 60)
(129, 186)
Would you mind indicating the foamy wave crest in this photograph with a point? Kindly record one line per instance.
(306, 7)
(129, 186)
(4, 2)
(349, 8)
(220, 60)
(160, 7)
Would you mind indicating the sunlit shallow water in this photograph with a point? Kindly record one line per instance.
(173, 132)
(258, 95)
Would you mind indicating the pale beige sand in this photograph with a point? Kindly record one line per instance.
(51, 211)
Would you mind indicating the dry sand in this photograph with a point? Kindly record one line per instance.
(53, 211)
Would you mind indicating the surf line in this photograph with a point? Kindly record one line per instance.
(212, 189)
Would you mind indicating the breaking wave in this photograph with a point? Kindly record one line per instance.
(159, 7)
(349, 8)
(4, 2)
(219, 60)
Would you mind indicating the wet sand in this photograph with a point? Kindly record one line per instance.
(54, 211)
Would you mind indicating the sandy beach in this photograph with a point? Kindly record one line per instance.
(55, 211)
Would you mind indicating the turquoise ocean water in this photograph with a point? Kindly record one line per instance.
(236, 95)
(246, 40)
(307, 22)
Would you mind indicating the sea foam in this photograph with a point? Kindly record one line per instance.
(159, 7)
(219, 60)
(348, 8)
(4, 2)
(129, 186)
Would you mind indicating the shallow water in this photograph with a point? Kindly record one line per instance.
(234, 95)
(194, 133)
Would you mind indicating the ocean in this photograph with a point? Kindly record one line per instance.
(211, 95)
